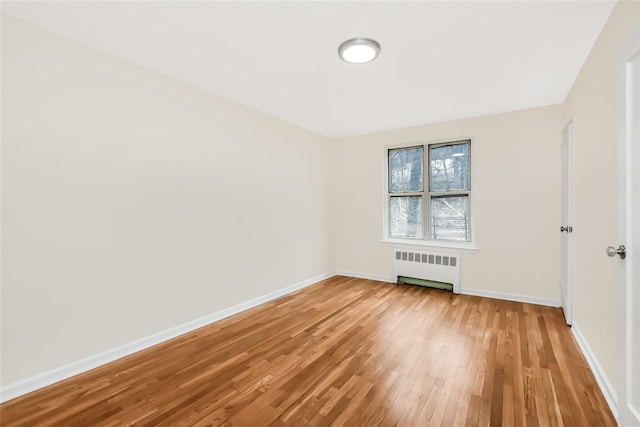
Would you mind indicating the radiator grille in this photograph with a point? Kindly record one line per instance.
(427, 265)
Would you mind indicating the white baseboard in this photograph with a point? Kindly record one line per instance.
(511, 297)
(365, 276)
(476, 292)
(609, 392)
(58, 374)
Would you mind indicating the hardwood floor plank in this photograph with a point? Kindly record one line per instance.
(344, 352)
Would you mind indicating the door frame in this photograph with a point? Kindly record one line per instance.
(628, 146)
(567, 270)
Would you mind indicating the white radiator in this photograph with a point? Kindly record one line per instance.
(427, 265)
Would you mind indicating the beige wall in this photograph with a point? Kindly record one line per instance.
(592, 105)
(516, 178)
(133, 203)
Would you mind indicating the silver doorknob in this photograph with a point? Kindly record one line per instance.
(622, 251)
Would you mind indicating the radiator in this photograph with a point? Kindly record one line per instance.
(427, 265)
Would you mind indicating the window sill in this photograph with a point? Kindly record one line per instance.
(425, 244)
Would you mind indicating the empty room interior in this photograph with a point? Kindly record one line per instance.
(320, 213)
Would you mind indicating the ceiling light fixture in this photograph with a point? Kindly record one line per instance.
(359, 50)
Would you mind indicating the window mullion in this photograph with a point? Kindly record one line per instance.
(449, 193)
(426, 199)
(405, 194)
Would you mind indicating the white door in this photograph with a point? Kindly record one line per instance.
(566, 221)
(629, 231)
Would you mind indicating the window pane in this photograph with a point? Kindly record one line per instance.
(449, 167)
(405, 170)
(450, 218)
(406, 216)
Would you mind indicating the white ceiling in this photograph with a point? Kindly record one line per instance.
(440, 60)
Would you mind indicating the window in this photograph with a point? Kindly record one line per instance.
(429, 191)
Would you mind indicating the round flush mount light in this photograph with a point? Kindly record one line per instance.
(359, 50)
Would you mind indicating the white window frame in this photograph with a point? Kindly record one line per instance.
(426, 241)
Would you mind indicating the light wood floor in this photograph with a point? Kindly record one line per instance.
(347, 352)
